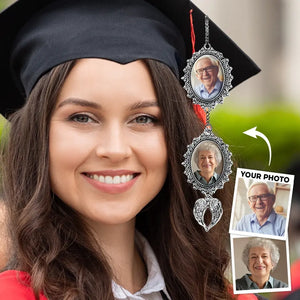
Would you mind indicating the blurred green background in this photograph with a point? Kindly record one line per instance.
(279, 122)
(4, 3)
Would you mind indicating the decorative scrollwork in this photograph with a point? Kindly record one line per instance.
(190, 165)
(193, 81)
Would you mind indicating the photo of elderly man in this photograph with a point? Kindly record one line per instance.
(207, 158)
(264, 219)
(207, 69)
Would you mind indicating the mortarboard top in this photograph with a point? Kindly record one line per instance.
(119, 30)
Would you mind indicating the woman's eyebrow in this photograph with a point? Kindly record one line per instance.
(86, 103)
(79, 102)
(143, 104)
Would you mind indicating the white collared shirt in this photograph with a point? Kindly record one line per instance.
(155, 281)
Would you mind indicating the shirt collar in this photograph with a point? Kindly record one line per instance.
(202, 180)
(252, 284)
(270, 219)
(271, 281)
(155, 281)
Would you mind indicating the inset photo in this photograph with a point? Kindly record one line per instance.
(260, 265)
(207, 162)
(261, 203)
(207, 77)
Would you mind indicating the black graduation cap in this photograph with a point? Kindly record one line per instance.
(38, 35)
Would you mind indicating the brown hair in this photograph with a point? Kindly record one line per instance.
(51, 241)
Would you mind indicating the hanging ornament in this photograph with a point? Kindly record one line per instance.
(207, 75)
(207, 163)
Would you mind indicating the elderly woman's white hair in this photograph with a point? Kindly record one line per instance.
(263, 243)
(208, 146)
(270, 190)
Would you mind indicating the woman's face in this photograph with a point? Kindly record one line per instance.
(207, 161)
(260, 263)
(108, 155)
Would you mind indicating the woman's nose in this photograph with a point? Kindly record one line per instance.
(114, 144)
(259, 258)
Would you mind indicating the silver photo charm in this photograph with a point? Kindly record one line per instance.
(207, 76)
(207, 162)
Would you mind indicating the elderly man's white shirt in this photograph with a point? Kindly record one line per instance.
(155, 282)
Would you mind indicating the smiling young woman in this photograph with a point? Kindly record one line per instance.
(97, 201)
(91, 133)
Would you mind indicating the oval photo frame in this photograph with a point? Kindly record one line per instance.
(203, 148)
(207, 77)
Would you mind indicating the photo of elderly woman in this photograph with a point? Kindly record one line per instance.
(261, 257)
(207, 158)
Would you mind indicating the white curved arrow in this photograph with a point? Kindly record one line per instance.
(253, 132)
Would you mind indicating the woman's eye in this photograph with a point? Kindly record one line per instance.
(81, 118)
(144, 120)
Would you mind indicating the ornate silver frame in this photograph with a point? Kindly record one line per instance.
(188, 71)
(208, 189)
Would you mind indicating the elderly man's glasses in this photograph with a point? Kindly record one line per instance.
(262, 197)
(207, 69)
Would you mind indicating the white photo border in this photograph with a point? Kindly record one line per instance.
(267, 177)
(270, 290)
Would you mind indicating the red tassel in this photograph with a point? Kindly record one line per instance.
(197, 108)
(200, 113)
(193, 39)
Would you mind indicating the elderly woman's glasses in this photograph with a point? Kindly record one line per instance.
(262, 197)
(208, 69)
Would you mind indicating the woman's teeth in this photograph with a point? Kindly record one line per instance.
(111, 179)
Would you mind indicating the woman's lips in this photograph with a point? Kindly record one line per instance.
(206, 166)
(112, 182)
